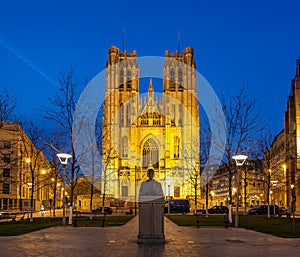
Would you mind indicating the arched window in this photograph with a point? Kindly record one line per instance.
(122, 115)
(180, 118)
(121, 79)
(172, 75)
(180, 77)
(125, 147)
(172, 79)
(173, 112)
(150, 153)
(176, 147)
(128, 115)
(128, 80)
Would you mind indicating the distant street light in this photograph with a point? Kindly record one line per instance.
(293, 205)
(63, 158)
(239, 160)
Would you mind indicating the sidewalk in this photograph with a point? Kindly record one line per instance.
(122, 241)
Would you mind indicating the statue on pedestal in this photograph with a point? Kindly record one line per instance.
(150, 189)
(151, 211)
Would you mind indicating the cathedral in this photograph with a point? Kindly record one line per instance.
(159, 128)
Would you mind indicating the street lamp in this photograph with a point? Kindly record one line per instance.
(274, 184)
(63, 158)
(293, 205)
(168, 184)
(239, 161)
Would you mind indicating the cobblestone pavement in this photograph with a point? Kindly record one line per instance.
(122, 241)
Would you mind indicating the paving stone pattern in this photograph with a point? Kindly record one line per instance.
(122, 242)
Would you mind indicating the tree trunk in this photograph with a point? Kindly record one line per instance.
(54, 199)
(31, 203)
(229, 187)
(91, 200)
(206, 200)
(245, 196)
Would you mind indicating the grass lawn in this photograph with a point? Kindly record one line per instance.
(9, 228)
(100, 221)
(22, 227)
(282, 227)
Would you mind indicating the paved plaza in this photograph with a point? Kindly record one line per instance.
(122, 241)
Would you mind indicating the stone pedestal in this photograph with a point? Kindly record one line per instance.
(151, 220)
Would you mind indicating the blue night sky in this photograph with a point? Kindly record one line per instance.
(234, 41)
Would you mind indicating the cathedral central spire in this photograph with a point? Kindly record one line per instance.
(150, 89)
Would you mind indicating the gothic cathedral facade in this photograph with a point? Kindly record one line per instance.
(161, 130)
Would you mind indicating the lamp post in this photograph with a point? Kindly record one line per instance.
(63, 158)
(274, 184)
(168, 184)
(293, 205)
(239, 160)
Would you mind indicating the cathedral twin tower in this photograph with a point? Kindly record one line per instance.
(152, 129)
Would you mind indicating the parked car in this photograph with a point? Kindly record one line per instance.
(107, 210)
(217, 209)
(177, 206)
(263, 209)
(282, 211)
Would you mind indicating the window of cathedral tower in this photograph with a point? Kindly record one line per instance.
(122, 115)
(180, 118)
(173, 112)
(172, 79)
(180, 80)
(121, 80)
(128, 121)
(125, 147)
(129, 80)
(176, 147)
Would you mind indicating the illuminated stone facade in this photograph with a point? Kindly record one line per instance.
(150, 129)
(282, 160)
(292, 138)
(17, 153)
(252, 175)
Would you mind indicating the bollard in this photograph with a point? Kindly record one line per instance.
(197, 221)
(225, 221)
(75, 220)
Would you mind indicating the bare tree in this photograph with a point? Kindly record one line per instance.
(61, 112)
(192, 162)
(31, 149)
(244, 124)
(8, 103)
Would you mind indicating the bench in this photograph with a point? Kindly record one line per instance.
(14, 217)
(129, 212)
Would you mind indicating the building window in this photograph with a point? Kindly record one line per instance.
(180, 119)
(172, 79)
(5, 189)
(177, 192)
(176, 147)
(128, 80)
(125, 147)
(7, 144)
(173, 112)
(122, 115)
(121, 79)
(6, 158)
(144, 119)
(150, 154)
(125, 191)
(6, 173)
(180, 77)
(128, 116)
